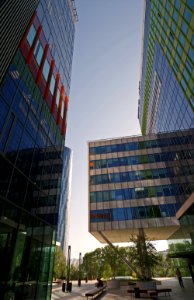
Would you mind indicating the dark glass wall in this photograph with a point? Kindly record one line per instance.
(63, 217)
(33, 109)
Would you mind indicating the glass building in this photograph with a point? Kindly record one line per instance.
(34, 91)
(63, 217)
(166, 87)
(139, 182)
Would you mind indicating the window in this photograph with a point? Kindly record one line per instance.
(167, 5)
(46, 69)
(92, 197)
(175, 16)
(177, 4)
(181, 39)
(38, 52)
(177, 59)
(191, 54)
(166, 17)
(189, 65)
(62, 109)
(186, 75)
(184, 27)
(3, 113)
(173, 27)
(179, 50)
(171, 36)
(52, 85)
(187, 15)
(190, 3)
(192, 40)
(31, 35)
(183, 84)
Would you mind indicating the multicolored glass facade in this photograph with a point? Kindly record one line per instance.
(33, 113)
(139, 182)
(167, 83)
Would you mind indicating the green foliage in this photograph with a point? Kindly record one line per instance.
(60, 267)
(164, 268)
(74, 272)
(143, 255)
(105, 263)
(182, 263)
(107, 273)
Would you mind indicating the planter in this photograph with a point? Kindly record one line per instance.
(146, 285)
(113, 284)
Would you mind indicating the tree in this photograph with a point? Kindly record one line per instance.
(143, 255)
(164, 268)
(60, 267)
(175, 251)
(111, 257)
(107, 273)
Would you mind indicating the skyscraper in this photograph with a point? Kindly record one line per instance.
(63, 218)
(139, 182)
(166, 85)
(33, 112)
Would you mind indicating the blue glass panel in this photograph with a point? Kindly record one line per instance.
(179, 50)
(8, 89)
(189, 65)
(57, 101)
(177, 4)
(181, 39)
(190, 3)
(171, 210)
(175, 16)
(191, 54)
(52, 84)
(92, 197)
(184, 27)
(46, 69)
(186, 75)
(168, 5)
(7, 131)
(3, 113)
(31, 35)
(164, 210)
(118, 195)
(177, 60)
(187, 15)
(129, 213)
(17, 133)
(192, 40)
(38, 52)
(142, 212)
(62, 109)
(183, 83)
(99, 196)
(173, 27)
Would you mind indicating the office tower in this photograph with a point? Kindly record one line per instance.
(15, 17)
(166, 85)
(33, 112)
(139, 182)
(63, 217)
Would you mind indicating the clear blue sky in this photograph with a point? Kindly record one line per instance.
(104, 93)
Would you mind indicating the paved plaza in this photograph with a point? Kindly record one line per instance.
(78, 293)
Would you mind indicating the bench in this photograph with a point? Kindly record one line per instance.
(165, 290)
(95, 292)
(150, 292)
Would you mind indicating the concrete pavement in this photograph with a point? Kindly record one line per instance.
(78, 292)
